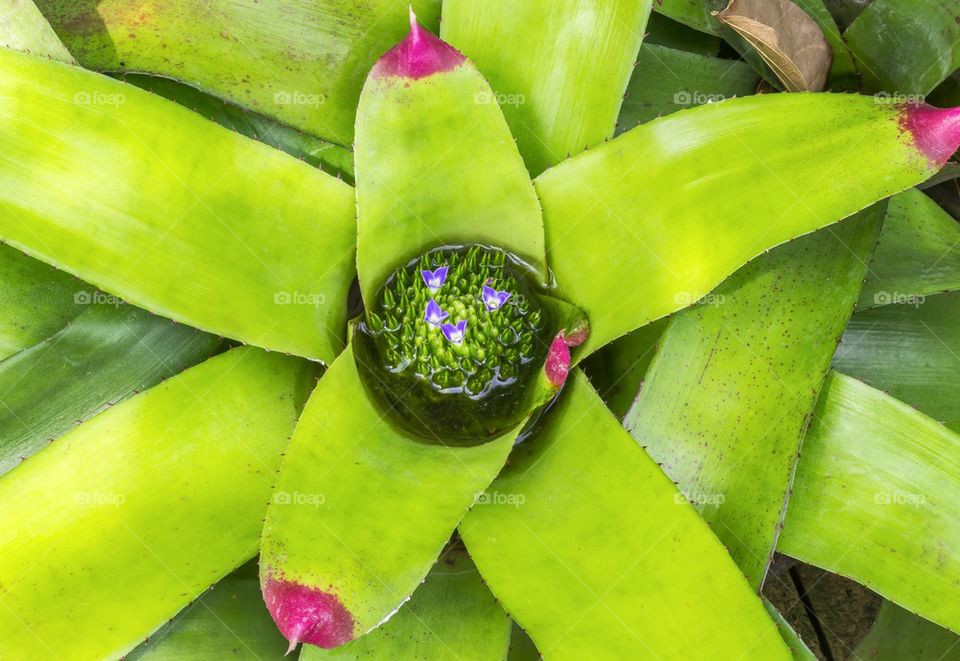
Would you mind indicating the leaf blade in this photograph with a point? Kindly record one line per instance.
(116, 511)
(137, 228)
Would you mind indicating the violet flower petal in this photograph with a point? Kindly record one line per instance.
(456, 333)
(433, 314)
(434, 279)
(494, 299)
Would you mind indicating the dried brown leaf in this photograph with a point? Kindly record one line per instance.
(787, 39)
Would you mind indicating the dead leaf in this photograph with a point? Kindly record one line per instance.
(787, 39)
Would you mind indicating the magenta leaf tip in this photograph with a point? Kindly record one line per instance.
(935, 131)
(306, 614)
(419, 55)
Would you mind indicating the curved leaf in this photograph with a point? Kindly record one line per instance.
(23, 27)
(726, 401)
(300, 61)
(102, 357)
(666, 80)
(843, 71)
(744, 175)
(874, 499)
(597, 555)
(121, 509)
(906, 47)
(789, 41)
(436, 164)
(692, 13)
(360, 512)
(229, 620)
(898, 634)
(180, 216)
(918, 253)
(663, 31)
(561, 81)
(451, 616)
(798, 648)
(36, 300)
(618, 369)
(910, 350)
(332, 158)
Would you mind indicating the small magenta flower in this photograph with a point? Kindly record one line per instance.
(433, 314)
(434, 279)
(493, 299)
(455, 333)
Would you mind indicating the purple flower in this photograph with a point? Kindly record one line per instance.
(434, 279)
(455, 333)
(493, 299)
(434, 315)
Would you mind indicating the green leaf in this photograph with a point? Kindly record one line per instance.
(451, 616)
(845, 11)
(692, 13)
(918, 254)
(797, 647)
(360, 511)
(521, 647)
(332, 158)
(142, 508)
(843, 71)
(36, 300)
(102, 357)
(666, 80)
(906, 47)
(874, 499)
(561, 80)
(436, 165)
(743, 176)
(663, 31)
(910, 350)
(23, 27)
(726, 401)
(596, 554)
(179, 216)
(300, 61)
(898, 634)
(617, 370)
(227, 621)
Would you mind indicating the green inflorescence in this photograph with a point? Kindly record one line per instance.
(466, 388)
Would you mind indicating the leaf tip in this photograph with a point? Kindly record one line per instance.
(307, 614)
(935, 131)
(419, 55)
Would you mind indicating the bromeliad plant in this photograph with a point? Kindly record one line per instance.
(451, 425)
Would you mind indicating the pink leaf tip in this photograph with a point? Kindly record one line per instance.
(419, 55)
(306, 614)
(557, 366)
(935, 131)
